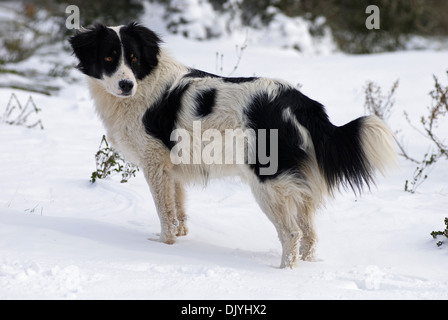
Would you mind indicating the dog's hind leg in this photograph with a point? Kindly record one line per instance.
(306, 222)
(281, 210)
(290, 234)
(182, 229)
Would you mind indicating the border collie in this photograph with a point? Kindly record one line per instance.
(143, 95)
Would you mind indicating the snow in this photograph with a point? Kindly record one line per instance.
(198, 20)
(62, 237)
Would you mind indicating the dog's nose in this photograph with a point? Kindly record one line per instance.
(126, 86)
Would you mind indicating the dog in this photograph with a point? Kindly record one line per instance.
(144, 96)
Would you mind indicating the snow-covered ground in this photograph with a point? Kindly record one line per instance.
(62, 237)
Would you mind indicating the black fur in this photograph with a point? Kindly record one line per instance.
(92, 47)
(343, 159)
(194, 73)
(98, 42)
(159, 119)
(338, 149)
(144, 45)
(238, 79)
(266, 113)
(205, 102)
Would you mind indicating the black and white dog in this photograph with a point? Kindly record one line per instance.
(293, 157)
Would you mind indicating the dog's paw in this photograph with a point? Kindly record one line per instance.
(167, 238)
(307, 253)
(169, 241)
(162, 239)
(182, 230)
(290, 261)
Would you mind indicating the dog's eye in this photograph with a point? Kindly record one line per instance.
(133, 58)
(108, 59)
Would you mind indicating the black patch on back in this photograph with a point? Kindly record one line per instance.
(238, 79)
(266, 113)
(194, 73)
(92, 47)
(160, 118)
(143, 45)
(205, 102)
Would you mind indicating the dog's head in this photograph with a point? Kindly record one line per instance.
(117, 56)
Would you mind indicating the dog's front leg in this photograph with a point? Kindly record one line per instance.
(180, 209)
(162, 187)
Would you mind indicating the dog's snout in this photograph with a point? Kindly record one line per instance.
(126, 86)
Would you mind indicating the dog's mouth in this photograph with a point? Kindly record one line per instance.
(124, 94)
(121, 94)
(125, 91)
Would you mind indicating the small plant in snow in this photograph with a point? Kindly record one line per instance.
(108, 161)
(16, 114)
(378, 104)
(436, 113)
(219, 64)
(421, 172)
(435, 234)
(239, 54)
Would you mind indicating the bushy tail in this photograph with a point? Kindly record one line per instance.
(350, 154)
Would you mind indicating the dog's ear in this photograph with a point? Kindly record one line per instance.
(84, 44)
(149, 47)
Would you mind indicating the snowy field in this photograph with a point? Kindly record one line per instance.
(62, 237)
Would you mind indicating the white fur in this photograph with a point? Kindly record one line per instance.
(378, 144)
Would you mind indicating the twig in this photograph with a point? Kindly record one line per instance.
(239, 53)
